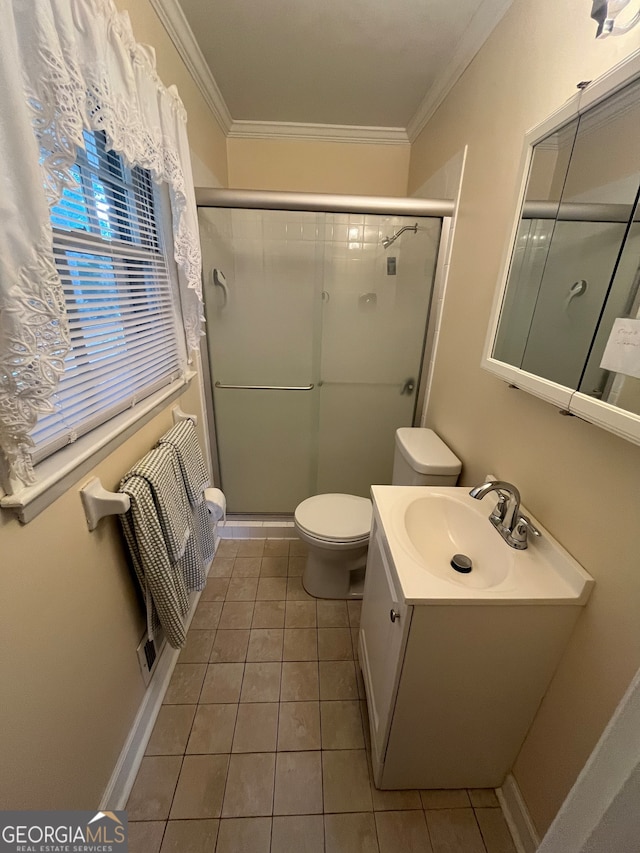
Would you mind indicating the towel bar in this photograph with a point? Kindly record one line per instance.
(179, 415)
(267, 387)
(98, 502)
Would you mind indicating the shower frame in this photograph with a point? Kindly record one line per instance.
(442, 209)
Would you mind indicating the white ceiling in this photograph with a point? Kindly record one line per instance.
(365, 63)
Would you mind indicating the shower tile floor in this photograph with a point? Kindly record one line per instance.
(262, 745)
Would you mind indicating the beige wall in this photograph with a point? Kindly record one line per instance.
(580, 481)
(69, 621)
(312, 166)
(70, 685)
(206, 138)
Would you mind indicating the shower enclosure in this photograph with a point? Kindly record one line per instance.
(315, 339)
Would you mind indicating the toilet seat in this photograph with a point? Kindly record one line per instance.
(335, 518)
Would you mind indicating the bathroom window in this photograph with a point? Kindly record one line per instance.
(119, 290)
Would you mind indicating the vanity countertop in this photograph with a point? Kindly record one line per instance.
(424, 526)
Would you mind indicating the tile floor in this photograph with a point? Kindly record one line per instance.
(261, 745)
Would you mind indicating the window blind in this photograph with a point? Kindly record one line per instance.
(119, 296)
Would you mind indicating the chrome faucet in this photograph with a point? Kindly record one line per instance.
(506, 517)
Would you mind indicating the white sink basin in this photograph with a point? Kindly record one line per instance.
(441, 526)
(425, 527)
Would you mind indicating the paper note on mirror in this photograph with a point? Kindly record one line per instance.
(622, 352)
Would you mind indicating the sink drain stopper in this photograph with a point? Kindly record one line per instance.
(461, 563)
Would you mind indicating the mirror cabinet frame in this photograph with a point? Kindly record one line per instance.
(623, 423)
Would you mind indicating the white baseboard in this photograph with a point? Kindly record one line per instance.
(517, 816)
(124, 774)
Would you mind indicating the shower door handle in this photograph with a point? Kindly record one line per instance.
(267, 387)
(409, 386)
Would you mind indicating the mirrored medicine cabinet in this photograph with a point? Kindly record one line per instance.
(566, 319)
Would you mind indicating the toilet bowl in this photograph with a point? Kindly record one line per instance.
(336, 527)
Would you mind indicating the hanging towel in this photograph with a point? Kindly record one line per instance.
(204, 535)
(161, 471)
(177, 568)
(183, 438)
(161, 580)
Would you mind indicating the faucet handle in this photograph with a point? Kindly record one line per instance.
(521, 529)
(500, 510)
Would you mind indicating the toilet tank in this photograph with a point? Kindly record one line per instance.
(423, 459)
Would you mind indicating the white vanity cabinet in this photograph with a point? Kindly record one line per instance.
(384, 626)
(451, 688)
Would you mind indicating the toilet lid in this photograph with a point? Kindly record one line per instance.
(342, 518)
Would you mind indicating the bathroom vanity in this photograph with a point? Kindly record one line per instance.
(455, 666)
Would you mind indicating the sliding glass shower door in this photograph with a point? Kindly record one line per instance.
(263, 307)
(375, 311)
(315, 335)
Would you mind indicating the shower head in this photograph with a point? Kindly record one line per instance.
(387, 241)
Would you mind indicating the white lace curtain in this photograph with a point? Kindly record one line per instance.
(66, 66)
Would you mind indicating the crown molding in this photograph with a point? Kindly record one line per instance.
(175, 23)
(480, 28)
(318, 132)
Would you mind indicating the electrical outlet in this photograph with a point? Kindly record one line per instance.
(148, 654)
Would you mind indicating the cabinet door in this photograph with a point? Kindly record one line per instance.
(384, 625)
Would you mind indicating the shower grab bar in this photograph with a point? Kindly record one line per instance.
(267, 387)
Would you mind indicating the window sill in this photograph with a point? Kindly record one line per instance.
(61, 471)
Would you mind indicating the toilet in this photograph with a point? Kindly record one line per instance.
(336, 527)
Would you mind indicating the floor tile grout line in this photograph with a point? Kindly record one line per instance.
(182, 758)
(429, 835)
(275, 760)
(375, 822)
(475, 817)
(235, 723)
(173, 796)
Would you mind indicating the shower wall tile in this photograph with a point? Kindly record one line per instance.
(340, 230)
(355, 232)
(294, 231)
(310, 231)
(247, 229)
(275, 229)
